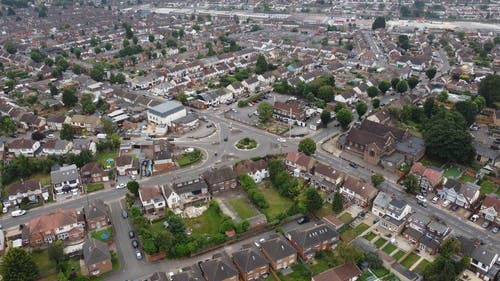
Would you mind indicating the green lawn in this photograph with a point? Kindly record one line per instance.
(42, 261)
(430, 162)
(348, 233)
(98, 234)
(242, 208)
(325, 262)
(380, 272)
(325, 210)
(157, 225)
(300, 273)
(487, 187)
(345, 217)
(370, 236)
(95, 187)
(410, 260)
(421, 266)
(277, 203)
(43, 178)
(466, 178)
(389, 248)
(398, 255)
(452, 172)
(380, 242)
(208, 223)
(104, 156)
(189, 158)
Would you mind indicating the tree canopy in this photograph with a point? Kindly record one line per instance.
(361, 108)
(307, 146)
(326, 117)
(402, 86)
(489, 89)
(265, 111)
(344, 117)
(431, 73)
(384, 86)
(338, 202)
(410, 183)
(314, 201)
(379, 22)
(373, 91)
(69, 97)
(18, 265)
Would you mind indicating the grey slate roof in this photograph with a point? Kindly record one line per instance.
(278, 248)
(218, 269)
(219, 175)
(96, 209)
(95, 251)
(166, 108)
(190, 273)
(382, 199)
(64, 173)
(483, 255)
(307, 238)
(249, 259)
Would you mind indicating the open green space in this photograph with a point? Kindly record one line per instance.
(189, 158)
(103, 234)
(380, 272)
(487, 187)
(348, 233)
(207, 223)
(421, 265)
(410, 260)
(466, 178)
(104, 156)
(380, 242)
(325, 210)
(94, 187)
(277, 203)
(345, 217)
(324, 261)
(242, 208)
(300, 273)
(398, 255)
(43, 178)
(431, 163)
(370, 236)
(246, 144)
(452, 172)
(389, 248)
(42, 261)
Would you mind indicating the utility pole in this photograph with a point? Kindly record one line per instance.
(290, 123)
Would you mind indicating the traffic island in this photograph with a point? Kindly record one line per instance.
(246, 144)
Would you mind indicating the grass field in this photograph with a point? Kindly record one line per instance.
(104, 156)
(42, 261)
(98, 234)
(430, 162)
(242, 208)
(389, 248)
(345, 217)
(370, 236)
(348, 233)
(487, 187)
(399, 254)
(277, 203)
(380, 242)
(380, 272)
(410, 260)
(208, 223)
(325, 210)
(421, 266)
(325, 262)
(94, 187)
(466, 178)
(452, 172)
(300, 273)
(189, 158)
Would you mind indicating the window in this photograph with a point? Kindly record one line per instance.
(372, 153)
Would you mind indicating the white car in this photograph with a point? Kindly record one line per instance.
(18, 213)
(121, 185)
(189, 150)
(446, 203)
(421, 198)
(281, 140)
(435, 200)
(133, 177)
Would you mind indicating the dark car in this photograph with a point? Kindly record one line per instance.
(454, 207)
(131, 234)
(225, 138)
(354, 165)
(135, 244)
(124, 214)
(303, 220)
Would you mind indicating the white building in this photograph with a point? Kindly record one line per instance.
(166, 112)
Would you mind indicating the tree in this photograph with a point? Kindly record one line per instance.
(175, 224)
(404, 42)
(69, 97)
(97, 72)
(450, 247)
(373, 261)
(108, 46)
(326, 93)
(265, 111)
(151, 38)
(443, 96)
(307, 146)
(7, 126)
(314, 201)
(412, 82)
(77, 52)
(402, 86)
(394, 82)
(429, 107)
(133, 187)
(431, 73)
(411, 183)
(87, 102)
(55, 252)
(261, 66)
(372, 91)
(77, 69)
(488, 88)
(325, 117)
(447, 139)
(361, 108)
(344, 117)
(468, 109)
(377, 179)
(384, 86)
(67, 132)
(379, 22)
(376, 103)
(97, 50)
(347, 253)
(338, 202)
(37, 136)
(171, 43)
(18, 265)
(10, 46)
(36, 56)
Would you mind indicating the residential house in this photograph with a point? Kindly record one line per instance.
(90, 123)
(165, 113)
(345, 272)
(93, 173)
(255, 169)
(220, 179)
(57, 147)
(483, 261)
(490, 209)
(236, 88)
(29, 189)
(310, 240)
(251, 263)
(358, 191)
(396, 215)
(80, 145)
(163, 158)
(326, 177)
(449, 189)
(65, 179)
(126, 165)
(56, 225)
(55, 122)
(161, 276)
(346, 98)
(468, 195)
(429, 177)
(290, 111)
(216, 97)
(251, 84)
(188, 273)
(299, 164)
(96, 257)
(25, 147)
(184, 193)
(279, 252)
(152, 200)
(97, 215)
(219, 268)
(185, 124)
(30, 121)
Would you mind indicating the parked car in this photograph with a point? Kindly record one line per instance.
(121, 185)
(18, 213)
(435, 200)
(474, 218)
(124, 214)
(486, 224)
(138, 255)
(446, 203)
(133, 177)
(354, 165)
(421, 198)
(495, 229)
(131, 234)
(455, 207)
(135, 244)
(281, 140)
(5, 209)
(303, 220)
(225, 138)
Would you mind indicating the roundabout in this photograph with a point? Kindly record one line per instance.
(246, 144)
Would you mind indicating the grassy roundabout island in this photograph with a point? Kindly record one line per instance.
(246, 144)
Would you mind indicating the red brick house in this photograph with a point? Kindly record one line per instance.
(96, 257)
(279, 252)
(251, 264)
(97, 215)
(56, 225)
(313, 239)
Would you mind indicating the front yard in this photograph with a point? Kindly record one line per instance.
(95, 187)
(189, 158)
(243, 208)
(207, 223)
(277, 203)
(348, 233)
(410, 260)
